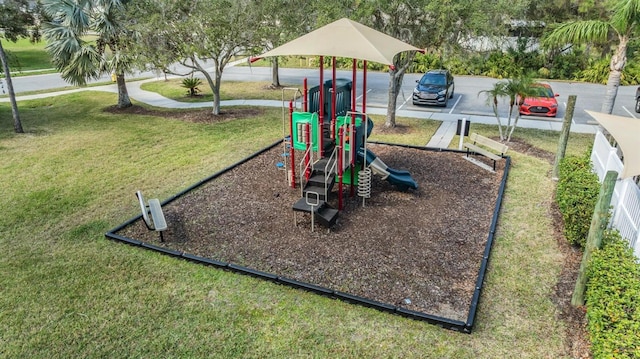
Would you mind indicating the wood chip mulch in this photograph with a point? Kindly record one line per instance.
(419, 249)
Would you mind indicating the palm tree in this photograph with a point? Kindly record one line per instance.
(517, 89)
(492, 96)
(79, 59)
(622, 24)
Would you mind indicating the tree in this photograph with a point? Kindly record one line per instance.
(621, 25)
(279, 26)
(516, 90)
(402, 62)
(405, 21)
(16, 17)
(79, 59)
(492, 96)
(434, 25)
(191, 84)
(194, 33)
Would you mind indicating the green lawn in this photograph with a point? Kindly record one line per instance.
(229, 90)
(68, 292)
(27, 56)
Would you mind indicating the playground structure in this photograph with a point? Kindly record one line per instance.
(346, 130)
(341, 131)
(334, 150)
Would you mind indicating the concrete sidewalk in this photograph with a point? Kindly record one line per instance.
(441, 139)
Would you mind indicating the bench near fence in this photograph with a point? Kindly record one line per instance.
(491, 149)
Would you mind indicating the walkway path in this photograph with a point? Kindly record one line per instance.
(441, 139)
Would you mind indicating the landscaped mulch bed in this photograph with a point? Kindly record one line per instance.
(420, 250)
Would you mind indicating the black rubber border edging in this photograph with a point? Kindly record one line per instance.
(465, 327)
(487, 249)
(198, 184)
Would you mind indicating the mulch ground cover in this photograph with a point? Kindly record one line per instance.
(420, 249)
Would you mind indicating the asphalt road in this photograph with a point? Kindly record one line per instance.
(466, 99)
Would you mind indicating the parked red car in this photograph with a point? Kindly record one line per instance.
(543, 105)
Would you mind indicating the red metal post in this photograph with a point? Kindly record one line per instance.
(340, 165)
(305, 93)
(333, 99)
(307, 140)
(321, 104)
(353, 86)
(364, 86)
(291, 150)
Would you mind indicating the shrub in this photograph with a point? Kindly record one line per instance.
(567, 65)
(576, 194)
(425, 62)
(191, 84)
(523, 56)
(597, 72)
(501, 66)
(630, 74)
(544, 72)
(466, 65)
(613, 300)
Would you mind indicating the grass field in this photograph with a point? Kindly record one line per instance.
(27, 56)
(229, 90)
(66, 291)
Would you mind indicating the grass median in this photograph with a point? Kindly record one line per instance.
(229, 90)
(69, 292)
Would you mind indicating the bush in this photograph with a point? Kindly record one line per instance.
(630, 74)
(466, 65)
(567, 65)
(597, 72)
(613, 300)
(528, 60)
(576, 195)
(425, 62)
(191, 84)
(501, 66)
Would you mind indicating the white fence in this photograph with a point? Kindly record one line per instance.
(626, 196)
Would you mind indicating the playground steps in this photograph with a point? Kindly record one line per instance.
(327, 144)
(317, 180)
(321, 184)
(320, 164)
(323, 212)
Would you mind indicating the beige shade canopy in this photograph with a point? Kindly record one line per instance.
(626, 132)
(345, 38)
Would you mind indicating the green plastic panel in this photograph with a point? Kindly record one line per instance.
(300, 119)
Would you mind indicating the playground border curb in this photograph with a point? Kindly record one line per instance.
(465, 327)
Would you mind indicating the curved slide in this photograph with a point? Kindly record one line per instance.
(399, 178)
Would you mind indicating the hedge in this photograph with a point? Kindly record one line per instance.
(576, 195)
(613, 300)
